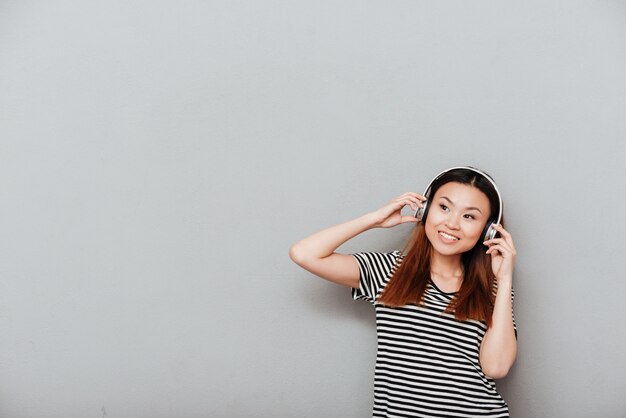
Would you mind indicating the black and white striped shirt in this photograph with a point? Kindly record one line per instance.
(427, 362)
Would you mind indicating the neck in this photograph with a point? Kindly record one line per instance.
(446, 265)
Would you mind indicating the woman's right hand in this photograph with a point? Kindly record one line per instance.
(389, 215)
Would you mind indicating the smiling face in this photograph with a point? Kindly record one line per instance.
(456, 218)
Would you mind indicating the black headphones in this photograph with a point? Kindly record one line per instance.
(489, 232)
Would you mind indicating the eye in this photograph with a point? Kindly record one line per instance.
(470, 216)
(442, 206)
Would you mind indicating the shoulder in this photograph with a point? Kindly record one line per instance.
(378, 257)
(375, 269)
(378, 261)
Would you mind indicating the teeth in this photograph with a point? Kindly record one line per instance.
(443, 234)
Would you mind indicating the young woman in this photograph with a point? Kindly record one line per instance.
(444, 304)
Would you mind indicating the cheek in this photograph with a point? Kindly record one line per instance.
(475, 229)
(430, 228)
(435, 218)
(432, 222)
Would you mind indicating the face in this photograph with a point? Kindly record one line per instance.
(456, 218)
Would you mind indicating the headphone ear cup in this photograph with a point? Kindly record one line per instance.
(422, 212)
(489, 232)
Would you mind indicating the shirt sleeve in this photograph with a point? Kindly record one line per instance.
(375, 270)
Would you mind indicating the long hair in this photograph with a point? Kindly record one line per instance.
(476, 297)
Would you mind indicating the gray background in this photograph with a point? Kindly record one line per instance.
(158, 159)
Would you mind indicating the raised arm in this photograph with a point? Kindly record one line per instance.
(315, 253)
(499, 346)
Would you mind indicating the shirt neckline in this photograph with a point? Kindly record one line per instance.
(439, 290)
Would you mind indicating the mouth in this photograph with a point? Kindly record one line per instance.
(449, 236)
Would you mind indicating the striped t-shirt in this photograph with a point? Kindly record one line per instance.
(427, 362)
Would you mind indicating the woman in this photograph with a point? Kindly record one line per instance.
(444, 304)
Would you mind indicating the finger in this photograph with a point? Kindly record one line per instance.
(502, 243)
(500, 249)
(416, 195)
(408, 219)
(492, 240)
(414, 203)
(505, 234)
(496, 241)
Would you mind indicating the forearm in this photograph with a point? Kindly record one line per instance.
(326, 241)
(499, 346)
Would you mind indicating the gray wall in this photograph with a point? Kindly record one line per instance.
(158, 159)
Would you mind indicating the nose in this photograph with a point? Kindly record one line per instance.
(453, 221)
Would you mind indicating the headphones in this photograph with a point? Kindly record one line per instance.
(489, 232)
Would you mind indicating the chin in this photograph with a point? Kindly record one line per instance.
(449, 251)
(456, 249)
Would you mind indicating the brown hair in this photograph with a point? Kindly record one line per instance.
(476, 297)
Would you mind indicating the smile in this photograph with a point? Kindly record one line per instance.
(448, 236)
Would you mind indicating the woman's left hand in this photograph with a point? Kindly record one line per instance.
(502, 253)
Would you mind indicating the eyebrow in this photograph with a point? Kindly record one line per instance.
(468, 208)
